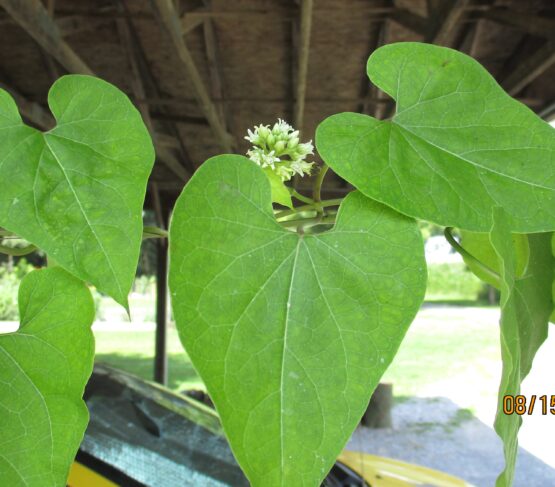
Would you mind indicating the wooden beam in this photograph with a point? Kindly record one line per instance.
(150, 84)
(529, 23)
(445, 21)
(471, 41)
(178, 118)
(76, 24)
(373, 101)
(216, 77)
(138, 90)
(302, 62)
(548, 112)
(411, 21)
(530, 69)
(30, 110)
(274, 14)
(191, 20)
(34, 19)
(160, 338)
(172, 25)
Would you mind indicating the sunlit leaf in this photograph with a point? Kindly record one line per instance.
(456, 147)
(291, 333)
(44, 367)
(525, 308)
(77, 191)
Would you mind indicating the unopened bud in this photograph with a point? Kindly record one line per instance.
(294, 142)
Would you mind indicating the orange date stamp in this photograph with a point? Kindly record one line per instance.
(525, 405)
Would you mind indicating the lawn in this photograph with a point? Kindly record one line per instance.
(134, 352)
(443, 343)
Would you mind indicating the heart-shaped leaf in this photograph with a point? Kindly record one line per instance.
(291, 333)
(77, 191)
(456, 147)
(44, 367)
(525, 309)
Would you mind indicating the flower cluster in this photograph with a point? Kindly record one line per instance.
(279, 149)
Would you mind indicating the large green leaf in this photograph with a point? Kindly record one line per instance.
(44, 367)
(290, 333)
(525, 308)
(77, 191)
(456, 147)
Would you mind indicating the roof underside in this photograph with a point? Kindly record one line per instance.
(202, 71)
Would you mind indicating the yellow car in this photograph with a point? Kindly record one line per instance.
(141, 434)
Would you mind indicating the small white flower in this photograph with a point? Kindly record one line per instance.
(301, 167)
(281, 127)
(263, 159)
(279, 148)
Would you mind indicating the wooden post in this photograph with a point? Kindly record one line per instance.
(160, 341)
(160, 352)
(378, 413)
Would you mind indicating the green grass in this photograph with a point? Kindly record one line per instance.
(134, 352)
(452, 282)
(441, 344)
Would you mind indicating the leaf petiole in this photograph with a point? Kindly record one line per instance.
(496, 278)
(304, 222)
(323, 204)
(317, 188)
(17, 251)
(300, 197)
(154, 232)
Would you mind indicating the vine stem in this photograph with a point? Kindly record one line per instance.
(465, 253)
(324, 204)
(17, 251)
(317, 189)
(300, 197)
(308, 221)
(154, 232)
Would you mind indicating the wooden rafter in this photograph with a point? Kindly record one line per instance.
(189, 22)
(444, 21)
(302, 62)
(171, 23)
(529, 23)
(76, 24)
(30, 110)
(33, 18)
(216, 78)
(411, 21)
(138, 90)
(372, 101)
(149, 82)
(530, 69)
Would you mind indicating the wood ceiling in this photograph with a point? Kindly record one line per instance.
(202, 72)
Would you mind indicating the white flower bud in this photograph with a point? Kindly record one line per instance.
(294, 142)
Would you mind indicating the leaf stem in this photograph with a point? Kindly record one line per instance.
(300, 197)
(308, 221)
(317, 188)
(323, 204)
(154, 232)
(465, 253)
(17, 251)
